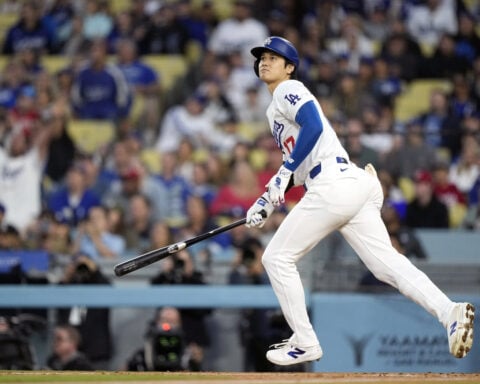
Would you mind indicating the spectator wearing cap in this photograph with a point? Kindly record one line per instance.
(25, 115)
(136, 180)
(100, 90)
(426, 210)
(72, 202)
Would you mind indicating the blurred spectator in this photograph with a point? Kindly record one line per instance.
(352, 44)
(61, 149)
(93, 324)
(446, 191)
(191, 19)
(12, 78)
(122, 29)
(377, 21)
(392, 194)
(386, 86)
(94, 239)
(426, 22)
(410, 153)
(60, 14)
(465, 170)
(180, 269)
(165, 347)
(402, 55)
(72, 202)
(239, 192)
(217, 106)
(176, 188)
(138, 223)
(239, 32)
(65, 355)
(97, 21)
(21, 168)
(406, 237)
(441, 128)
(25, 115)
(133, 180)
(188, 120)
(467, 38)
(58, 238)
(348, 97)
(359, 153)
(100, 90)
(29, 32)
(201, 184)
(461, 101)
(425, 210)
(324, 75)
(160, 236)
(445, 61)
(144, 82)
(164, 34)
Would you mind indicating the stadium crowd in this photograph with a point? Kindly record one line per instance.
(185, 159)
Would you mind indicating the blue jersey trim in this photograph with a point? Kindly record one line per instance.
(311, 128)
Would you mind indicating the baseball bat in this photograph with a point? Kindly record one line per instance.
(158, 254)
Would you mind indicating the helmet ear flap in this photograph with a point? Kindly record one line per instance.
(255, 67)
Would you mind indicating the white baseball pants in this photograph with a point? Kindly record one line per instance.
(349, 201)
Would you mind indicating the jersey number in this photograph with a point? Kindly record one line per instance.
(289, 143)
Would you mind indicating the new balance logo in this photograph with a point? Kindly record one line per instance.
(453, 328)
(295, 353)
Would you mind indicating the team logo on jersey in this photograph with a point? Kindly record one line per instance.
(292, 99)
(277, 133)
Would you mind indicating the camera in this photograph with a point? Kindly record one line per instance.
(164, 349)
(16, 353)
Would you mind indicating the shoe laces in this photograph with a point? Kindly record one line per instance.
(282, 344)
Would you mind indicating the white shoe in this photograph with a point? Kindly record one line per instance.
(460, 329)
(287, 353)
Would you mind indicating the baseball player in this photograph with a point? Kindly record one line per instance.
(339, 196)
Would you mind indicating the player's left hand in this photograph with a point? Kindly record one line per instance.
(277, 186)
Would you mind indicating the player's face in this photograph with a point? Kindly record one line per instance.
(272, 69)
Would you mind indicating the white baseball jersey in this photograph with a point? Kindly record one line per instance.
(340, 196)
(287, 100)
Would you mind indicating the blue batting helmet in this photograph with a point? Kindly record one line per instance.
(280, 46)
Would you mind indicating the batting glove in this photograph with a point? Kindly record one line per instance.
(277, 186)
(259, 212)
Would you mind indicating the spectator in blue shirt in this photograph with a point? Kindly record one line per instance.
(30, 31)
(72, 202)
(142, 79)
(100, 91)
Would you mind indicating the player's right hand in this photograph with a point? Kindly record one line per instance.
(259, 212)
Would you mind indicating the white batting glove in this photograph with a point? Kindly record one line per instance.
(259, 212)
(277, 186)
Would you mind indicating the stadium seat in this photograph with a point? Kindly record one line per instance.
(168, 67)
(7, 20)
(151, 159)
(407, 186)
(415, 99)
(90, 136)
(54, 63)
(456, 214)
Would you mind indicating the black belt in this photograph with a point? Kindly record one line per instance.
(318, 168)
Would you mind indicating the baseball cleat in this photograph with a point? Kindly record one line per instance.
(288, 353)
(460, 329)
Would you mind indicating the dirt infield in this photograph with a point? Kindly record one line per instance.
(232, 378)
